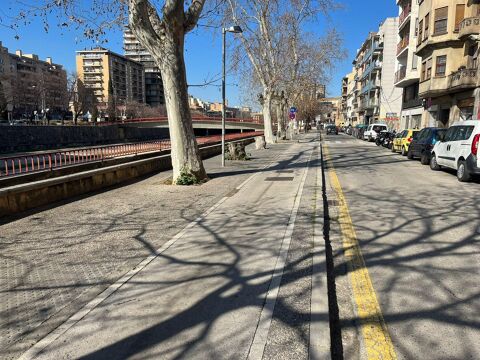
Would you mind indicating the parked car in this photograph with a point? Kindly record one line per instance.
(458, 150)
(359, 130)
(403, 140)
(423, 143)
(372, 131)
(332, 129)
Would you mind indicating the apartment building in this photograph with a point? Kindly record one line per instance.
(448, 46)
(407, 76)
(390, 96)
(349, 116)
(114, 78)
(154, 95)
(30, 84)
(330, 110)
(375, 96)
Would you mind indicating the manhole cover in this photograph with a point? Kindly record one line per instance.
(280, 178)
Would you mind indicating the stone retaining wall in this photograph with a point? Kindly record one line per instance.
(32, 138)
(23, 197)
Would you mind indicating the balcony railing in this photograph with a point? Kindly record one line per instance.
(469, 26)
(370, 103)
(368, 54)
(374, 65)
(463, 78)
(370, 85)
(403, 44)
(401, 74)
(406, 11)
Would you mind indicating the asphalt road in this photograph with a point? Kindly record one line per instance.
(419, 232)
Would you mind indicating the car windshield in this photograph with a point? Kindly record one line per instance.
(378, 128)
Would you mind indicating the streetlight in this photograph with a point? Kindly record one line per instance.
(235, 30)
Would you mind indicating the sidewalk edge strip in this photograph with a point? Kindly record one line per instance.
(259, 341)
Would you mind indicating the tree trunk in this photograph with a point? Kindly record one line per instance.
(186, 160)
(267, 117)
(283, 109)
(278, 109)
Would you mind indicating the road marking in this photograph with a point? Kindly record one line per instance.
(39, 346)
(377, 340)
(261, 334)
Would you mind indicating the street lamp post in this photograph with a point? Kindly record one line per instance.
(235, 30)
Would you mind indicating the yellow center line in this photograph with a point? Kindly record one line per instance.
(377, 341)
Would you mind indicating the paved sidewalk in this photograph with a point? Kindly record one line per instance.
(199, 296)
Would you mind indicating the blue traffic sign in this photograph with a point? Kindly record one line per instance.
(293, 109)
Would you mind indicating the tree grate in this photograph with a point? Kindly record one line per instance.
(280, 178)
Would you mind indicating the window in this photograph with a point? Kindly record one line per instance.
(459, 15)
(429, 69)
(472, 56)
(450, 134)
(441, 20)
(427, 24)
(414, 62)
(424, 68)
(420, 32)
(462, 133)
(441, 65)
(416, 27)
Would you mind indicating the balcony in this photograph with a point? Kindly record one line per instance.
(463, 79)
(400, 74)
(469, 26)
(371, 85)
(433, 86)
(403, 44)
(368, 54)
(404, 15)
(411, 103)
(374, 65)
(369, 103)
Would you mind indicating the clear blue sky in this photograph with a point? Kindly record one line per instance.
(203, 50)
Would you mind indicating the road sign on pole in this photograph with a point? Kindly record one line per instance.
(292, 116)
(293, 109)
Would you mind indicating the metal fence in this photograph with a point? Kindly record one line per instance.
(29, 163)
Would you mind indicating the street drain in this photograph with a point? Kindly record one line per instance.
(280, 178)
(284, 171)
(332, 202)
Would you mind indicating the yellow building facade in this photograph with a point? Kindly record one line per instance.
(112, 77)
(448, 73)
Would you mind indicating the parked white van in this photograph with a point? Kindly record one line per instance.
(373, 130)
(458, 150)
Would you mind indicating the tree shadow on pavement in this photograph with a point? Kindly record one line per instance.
(419, 234)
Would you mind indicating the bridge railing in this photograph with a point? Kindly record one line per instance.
(194, 118)
(29, 163)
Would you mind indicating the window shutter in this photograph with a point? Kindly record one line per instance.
(459, 15)
(441, 13)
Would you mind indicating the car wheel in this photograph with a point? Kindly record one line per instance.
(404, 151)
(424, 159)
(462, 171)
(433, 163)
(393, 148)
(410, 155)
